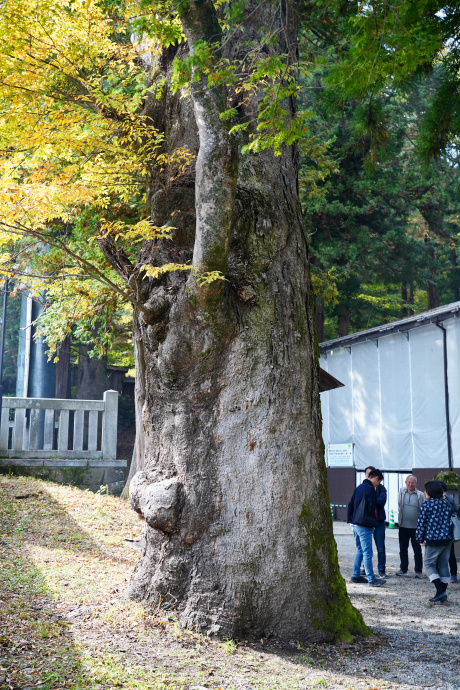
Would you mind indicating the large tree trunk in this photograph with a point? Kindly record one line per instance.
(233, 487)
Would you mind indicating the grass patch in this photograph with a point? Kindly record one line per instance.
(64, 621)
(62, 548)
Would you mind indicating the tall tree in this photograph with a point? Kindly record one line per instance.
(381, 223)
(359, 220)
(384, 45)
(230, 475)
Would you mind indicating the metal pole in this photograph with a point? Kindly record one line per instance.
(446, 394)
(25, 392)
(2, 344)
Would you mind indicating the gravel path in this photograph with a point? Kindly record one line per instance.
(422, 640)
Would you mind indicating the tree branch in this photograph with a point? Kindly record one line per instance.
(90, 268)
(217, 161)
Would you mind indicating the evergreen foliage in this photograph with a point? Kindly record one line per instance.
(384, 223)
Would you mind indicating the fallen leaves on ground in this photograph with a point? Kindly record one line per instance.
(65, 622)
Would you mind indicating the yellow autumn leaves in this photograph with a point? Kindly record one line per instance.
(71, 132)
(75, 153)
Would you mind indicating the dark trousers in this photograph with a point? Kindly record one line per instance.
(379, 538)
(452, 561)
(407, 535)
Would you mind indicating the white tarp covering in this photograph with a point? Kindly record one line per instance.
(340, 419)
(365, 401)
(396, 397)
(453, 360)
(428, 397)
(393, 404)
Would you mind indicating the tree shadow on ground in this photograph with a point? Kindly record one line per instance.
(39, 639)
(51, 565)
(36, 642)
(36, 645)
(41, 520)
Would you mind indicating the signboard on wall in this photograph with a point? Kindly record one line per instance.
(340, 455)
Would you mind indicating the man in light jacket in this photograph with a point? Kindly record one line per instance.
(410, 500)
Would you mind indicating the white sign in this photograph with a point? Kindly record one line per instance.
(340, 455)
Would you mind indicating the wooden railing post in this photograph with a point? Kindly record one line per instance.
(109, 425)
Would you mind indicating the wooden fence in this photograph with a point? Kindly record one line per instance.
(49, 432)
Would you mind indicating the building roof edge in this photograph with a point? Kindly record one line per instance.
(437, 315)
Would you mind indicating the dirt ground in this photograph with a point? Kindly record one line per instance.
(65, 623)
(416, 644)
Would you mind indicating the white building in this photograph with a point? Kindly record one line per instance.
(400, 404)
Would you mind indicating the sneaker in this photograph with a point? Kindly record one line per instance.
(362, 572)
(360, 580)
(400, 573)
(453, 578)
(383, 575)
(418, 575)
(376, 583)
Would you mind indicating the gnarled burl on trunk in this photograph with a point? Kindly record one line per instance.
(230, 474)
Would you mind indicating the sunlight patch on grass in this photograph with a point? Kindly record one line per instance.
(64, 622)
(83, 577)
(125, 612)
(110, 672)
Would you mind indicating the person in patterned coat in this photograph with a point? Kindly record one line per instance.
(434, 533)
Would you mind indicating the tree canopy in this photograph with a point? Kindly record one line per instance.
(381, 45)
(383, 226)
(78, 153)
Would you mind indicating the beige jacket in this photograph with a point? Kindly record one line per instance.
(420, 496)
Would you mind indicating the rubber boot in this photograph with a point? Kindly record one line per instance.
(440, 594)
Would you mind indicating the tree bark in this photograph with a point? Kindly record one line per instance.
(232, 482)
(92, 375)
(434, 216)
(319, 318)
(454, 273)
(432, 292)
(404, 298)
(343, 325)
(407, 296)
(410, 299)
(63, 370)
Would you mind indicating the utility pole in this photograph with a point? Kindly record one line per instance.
(2, 344)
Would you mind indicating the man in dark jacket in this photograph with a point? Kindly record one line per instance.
(361, 514)
(380, 526)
